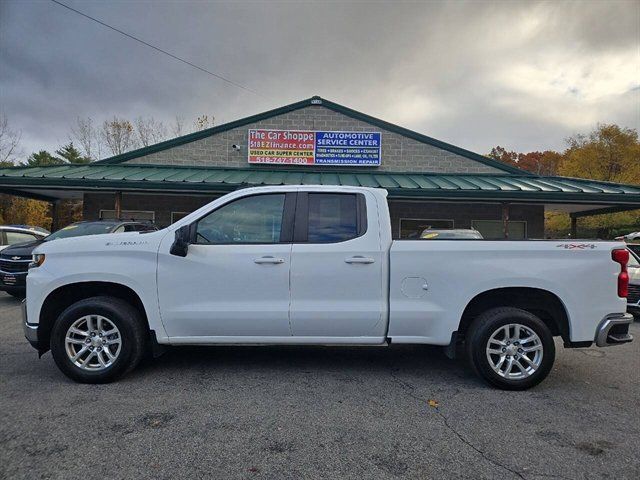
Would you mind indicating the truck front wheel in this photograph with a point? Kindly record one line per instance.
(98, 339)
(510, 348)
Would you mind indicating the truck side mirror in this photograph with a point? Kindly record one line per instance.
(180, 245)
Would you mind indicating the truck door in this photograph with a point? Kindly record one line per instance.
(234, 281)
(336, 269)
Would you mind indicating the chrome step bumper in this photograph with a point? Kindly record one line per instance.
(614, 330)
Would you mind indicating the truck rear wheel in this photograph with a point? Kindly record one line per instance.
(98, 339)
(510, 348)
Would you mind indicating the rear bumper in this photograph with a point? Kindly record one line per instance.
(614, 330)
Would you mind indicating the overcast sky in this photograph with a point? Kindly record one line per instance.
(524, 75)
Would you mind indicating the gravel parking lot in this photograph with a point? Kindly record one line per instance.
(294, 412)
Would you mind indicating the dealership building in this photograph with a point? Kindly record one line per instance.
(430, 183)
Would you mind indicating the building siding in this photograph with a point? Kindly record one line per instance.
(399, 153)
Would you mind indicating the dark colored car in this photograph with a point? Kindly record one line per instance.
(15, 259)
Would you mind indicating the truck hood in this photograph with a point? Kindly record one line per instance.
(107, 242)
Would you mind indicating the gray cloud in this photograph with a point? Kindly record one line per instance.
(520, 74)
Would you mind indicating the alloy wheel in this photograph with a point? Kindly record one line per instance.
(514, 351)
(93, 343)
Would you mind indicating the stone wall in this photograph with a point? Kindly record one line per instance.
(399, 153)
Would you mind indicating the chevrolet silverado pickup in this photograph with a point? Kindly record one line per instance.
(317, 265)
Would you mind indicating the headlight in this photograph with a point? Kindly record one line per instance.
(38, 259)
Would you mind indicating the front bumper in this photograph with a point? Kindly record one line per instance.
(13, 281)
(614, 330)
(30, 329)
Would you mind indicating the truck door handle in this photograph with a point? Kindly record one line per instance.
(269, 259)
(359, 259)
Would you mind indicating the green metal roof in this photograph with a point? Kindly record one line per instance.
(159, 178)
(309, 102)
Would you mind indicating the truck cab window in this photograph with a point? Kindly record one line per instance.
(332, 218)
(256, 219)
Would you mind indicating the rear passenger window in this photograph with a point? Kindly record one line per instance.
(333, 217)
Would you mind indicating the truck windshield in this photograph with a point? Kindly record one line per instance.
(80, 229)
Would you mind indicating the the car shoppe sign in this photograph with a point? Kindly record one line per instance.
(304, 147)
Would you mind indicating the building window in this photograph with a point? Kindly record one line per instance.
(413, 227)
(494, 229)
(129, 215)
(175, 216)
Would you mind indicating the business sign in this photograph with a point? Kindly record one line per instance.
(304, 147)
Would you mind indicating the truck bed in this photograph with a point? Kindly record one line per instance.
(432, 281)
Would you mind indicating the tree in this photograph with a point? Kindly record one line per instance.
(70, 154)
(540, 163)
(118, 135)
(609, 153)
(9, 141)
(177, 129)
(42, 159)
(149, 131)
(86, 134)
(203, 122)
(503, 155)
(24, 211)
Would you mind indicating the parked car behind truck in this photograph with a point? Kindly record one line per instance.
(317, 265)
(12, 234)
(15, 259)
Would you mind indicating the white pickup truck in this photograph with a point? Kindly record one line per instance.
(317, 265)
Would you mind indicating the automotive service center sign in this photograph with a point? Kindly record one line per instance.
(304, 147)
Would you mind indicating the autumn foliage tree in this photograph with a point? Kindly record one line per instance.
(26, 211)
(608, 153)
(18, 210)
(540, 163)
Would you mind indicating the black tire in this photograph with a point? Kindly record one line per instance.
(484, 326)
(125, 317)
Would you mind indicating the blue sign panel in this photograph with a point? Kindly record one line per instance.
(348, 148)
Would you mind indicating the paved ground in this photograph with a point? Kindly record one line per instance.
(292, 412)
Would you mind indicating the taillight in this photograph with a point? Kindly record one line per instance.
(621, 256)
